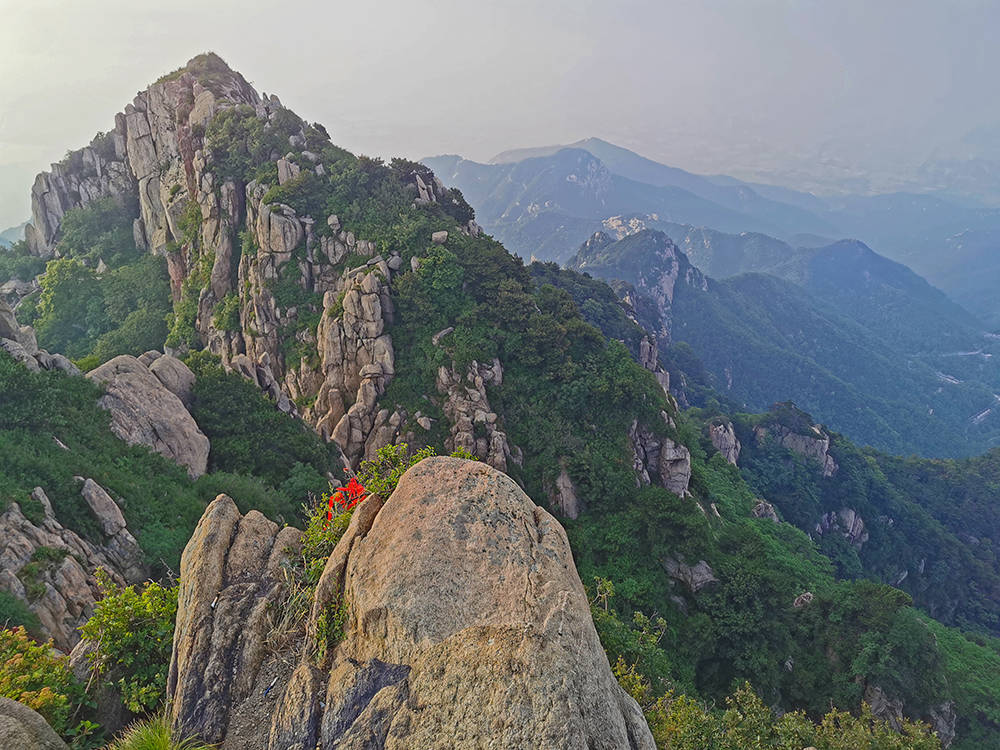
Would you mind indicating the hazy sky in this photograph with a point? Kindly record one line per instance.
(737, 86)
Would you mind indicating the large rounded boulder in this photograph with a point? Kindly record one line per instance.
(464, 624)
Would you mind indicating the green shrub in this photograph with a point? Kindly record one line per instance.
(17, 262)
(250, 436)
(133, 635)
(15, 613)
(227, 313)
(155, 734)
(34, 675)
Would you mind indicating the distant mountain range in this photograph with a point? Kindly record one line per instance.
(545, 202)
(856, 339)
(9, 236)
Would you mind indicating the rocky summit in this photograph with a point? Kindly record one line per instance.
(465, 624)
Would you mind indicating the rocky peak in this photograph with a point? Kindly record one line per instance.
(724, 439)
(793, 429)
(649, 261)
(151, 148)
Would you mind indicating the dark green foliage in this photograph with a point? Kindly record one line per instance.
(933, 525)
(15, 613)
(16, 262)
(250, 436)
(241, 143)
(227, 314)
(71, 307)
(160, 503)
(120, 312)
(598, 304)
(132, 633)
(101, 230)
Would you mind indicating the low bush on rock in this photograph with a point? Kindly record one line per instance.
(132, 632)
(33, 674)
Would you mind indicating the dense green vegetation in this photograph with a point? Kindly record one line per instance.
(17, 262)
(89, 315)
(160, 503)
(250, 437)
(33, 674)
(132, 632)
(744, 626)
(933, 525)
(680, 722)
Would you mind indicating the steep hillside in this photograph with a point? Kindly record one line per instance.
(363, 297)
(761, 339)
(884, 296)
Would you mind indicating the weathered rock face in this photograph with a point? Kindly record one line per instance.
(175, 376)
(63, 589)
(814, 444)
(474, 424)
(564, 496)
(695, 577)
(292, 270)
(764, 509)
(19, 341)
(24, 729)
(886, 708)
(660, 458)
(230, 585)
(847, 522)
(145, 412)
(150, 149)
(649, 359)
(724, 439)
(662, 267)
(466, 626)
(943, 719)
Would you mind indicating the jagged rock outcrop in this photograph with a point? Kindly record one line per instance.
(888, 709)
(357, 362)
(59, 586)
(465, 625)
(25, 729)
(231, 584)
(279, 294)
(474, 424)
(650, 360)
(564, 496)
(145, 412)
(845, 521)
(724, 439)
(943, 719)
(764, 509)
(649, 261)
(19, 342)
(813, 442)
(14, 290)
(661, 458)
(695, 577)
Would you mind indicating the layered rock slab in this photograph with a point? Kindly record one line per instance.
(466, 626)
(145, 411)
